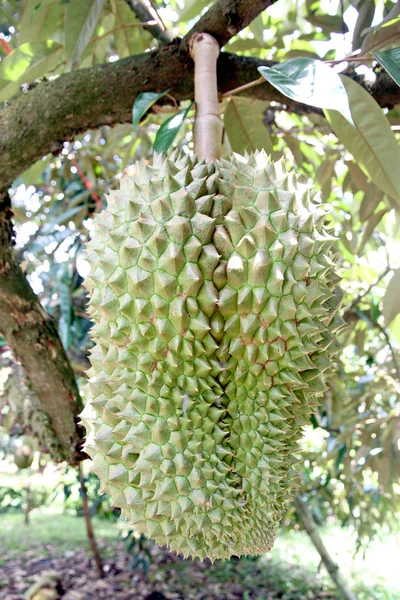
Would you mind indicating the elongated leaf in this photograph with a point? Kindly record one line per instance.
(357, 175)
(385, 33)
(40, 23)
(169, 130)
(324, 176)
(328, 23)
(373, 221)
(81, 19)
(391, 299)
(192, 8)
(32, 175)
(366, 12)
(390, 61)
(243, 121)
(26, 63)
(372, 198)
(311, 82)
(142, 104)
(372, 144)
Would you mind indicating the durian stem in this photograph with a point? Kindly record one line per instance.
(204, 50)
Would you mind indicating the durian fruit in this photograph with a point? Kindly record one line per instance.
(213, 293)
(23, 456)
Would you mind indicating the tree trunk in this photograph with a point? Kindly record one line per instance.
(89, 528)
(28, 503)
(33, 338)
(310, 527)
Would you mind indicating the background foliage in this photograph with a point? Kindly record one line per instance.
(350, 454)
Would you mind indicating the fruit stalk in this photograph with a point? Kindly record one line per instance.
(204, 50)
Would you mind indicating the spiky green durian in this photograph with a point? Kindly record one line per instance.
(213, 296)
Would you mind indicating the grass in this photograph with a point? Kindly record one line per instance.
(375, 577)
(64, 531)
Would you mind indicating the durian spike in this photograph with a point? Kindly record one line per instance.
(204, 50)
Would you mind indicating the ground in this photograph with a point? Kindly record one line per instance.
(55, 542)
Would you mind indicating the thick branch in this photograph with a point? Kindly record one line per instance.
(144, 15)
(32, 335)
(40, 121)
(310, 527)
(226, 18)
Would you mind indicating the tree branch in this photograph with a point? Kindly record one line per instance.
(33, 337)
(226, 18)
(310, 527)
(38, 122)
(144, 15)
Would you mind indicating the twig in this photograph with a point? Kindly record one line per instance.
(89, 527)
(86, 182)
(123, 26)
(241, 88)
(367, 291)
(363, 315)
(311, 528)
(5, 45)
(144, 15)
(350, 59)
(158, 16)
(392, 350)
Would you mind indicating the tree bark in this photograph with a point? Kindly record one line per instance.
(33, 337)
(89, 527)
(144, 15)
(333, 569)
(40, 121)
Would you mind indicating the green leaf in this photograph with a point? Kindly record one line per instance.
(391, 304)
(373, 221)
(32, 175)
(366, 12)
(390, 61)
(81, 20)
(169, 130)
(26, 63)
(311, 82)
(40, 23)
(372, 144)
(385, 33)
(328, 23)
(324, 175)
(243, 121)
(372, 198)
(192, 8)
(142, 104)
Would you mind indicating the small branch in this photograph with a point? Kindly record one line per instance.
(395, 360)
(367, 291)
(123, 26)
(350, 59)
(5, 45)
(86, 182)
(350, 315)
(158, 16)
(27, 508)
(310, 527)
(207, 136)
(89, 527)
(244, 87)
(144, 15)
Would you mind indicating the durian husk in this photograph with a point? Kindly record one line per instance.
(214, 298)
